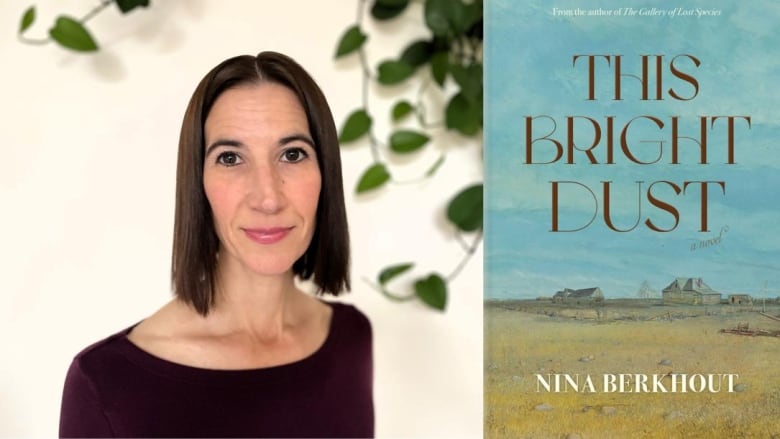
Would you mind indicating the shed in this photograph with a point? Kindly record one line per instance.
(740, 299)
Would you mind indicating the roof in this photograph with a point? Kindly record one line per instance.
(691, 284)
(585, 292)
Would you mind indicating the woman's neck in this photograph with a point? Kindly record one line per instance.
(261, 306)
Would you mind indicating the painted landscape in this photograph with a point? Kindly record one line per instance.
(628, 238)
(530, 338)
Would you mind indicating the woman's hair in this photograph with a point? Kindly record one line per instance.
(195, 242)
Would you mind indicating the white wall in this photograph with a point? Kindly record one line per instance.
(87, 183)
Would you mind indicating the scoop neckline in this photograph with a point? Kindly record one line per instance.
(183, 372)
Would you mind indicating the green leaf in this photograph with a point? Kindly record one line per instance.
(439, 67)
(456, 14)
(417, 53)
(469, 79)
(433, 291)
(437, 15)
(387, 9)
(393, 271)
(465, 210)
(358, 123)
(464, 115)
(432, 170)
(404, 141)
(472, 15)
(72, 34)
(393, 72)
(27, 19)
(374, 177)
(401, 109)
(351, 41)
(452, 18)
(128, 5)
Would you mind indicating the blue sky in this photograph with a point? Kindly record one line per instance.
(529, 72)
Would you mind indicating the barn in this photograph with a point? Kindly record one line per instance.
(583, 296)
(690, 291)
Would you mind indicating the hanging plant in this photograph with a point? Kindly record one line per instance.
(451, 58)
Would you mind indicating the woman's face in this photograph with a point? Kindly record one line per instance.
(261, 177)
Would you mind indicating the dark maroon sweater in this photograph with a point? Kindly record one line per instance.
(115, 389)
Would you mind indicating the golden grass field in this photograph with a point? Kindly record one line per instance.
(519, 344)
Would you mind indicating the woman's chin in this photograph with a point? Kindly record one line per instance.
(269, 268)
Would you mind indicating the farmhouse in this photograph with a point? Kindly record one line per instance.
(586, 295)
(740, 299)
(690, 291)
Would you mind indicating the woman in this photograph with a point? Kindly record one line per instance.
(241, 350)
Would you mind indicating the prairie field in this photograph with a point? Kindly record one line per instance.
(524, 340)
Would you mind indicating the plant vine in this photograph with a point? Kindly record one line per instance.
(453, 51)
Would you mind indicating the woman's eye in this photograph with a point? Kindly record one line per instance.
(294, 155)
(228, 158)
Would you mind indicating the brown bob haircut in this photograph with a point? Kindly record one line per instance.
(195, 242)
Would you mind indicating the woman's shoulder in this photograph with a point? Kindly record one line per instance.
(105, 347)
(350, 321)
(349, 312)
(114, 350)
(96, 365)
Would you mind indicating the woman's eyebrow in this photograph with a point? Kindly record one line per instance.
(223, 142)
(296, 137)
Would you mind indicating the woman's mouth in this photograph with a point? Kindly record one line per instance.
(270, 235)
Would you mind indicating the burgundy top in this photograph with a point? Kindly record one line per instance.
(115, 389)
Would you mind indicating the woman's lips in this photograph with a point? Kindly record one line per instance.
(267, 236)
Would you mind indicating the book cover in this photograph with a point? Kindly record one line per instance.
(632, 260)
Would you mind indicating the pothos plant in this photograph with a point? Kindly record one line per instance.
(450, 59)
(72, 33)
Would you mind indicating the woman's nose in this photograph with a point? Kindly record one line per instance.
(266, 190)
